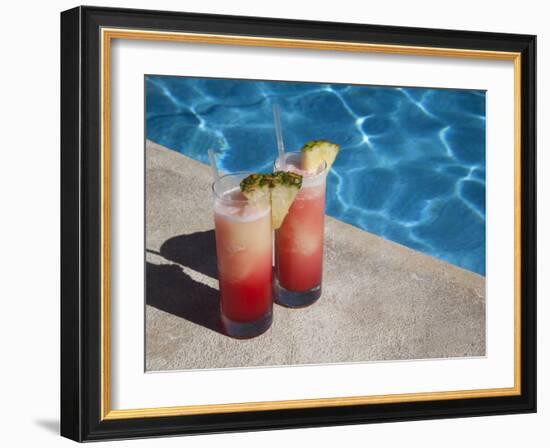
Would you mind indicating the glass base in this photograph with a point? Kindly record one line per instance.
(247, 330)
(294, 299)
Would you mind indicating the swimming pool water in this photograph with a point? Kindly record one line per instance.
(412, 162)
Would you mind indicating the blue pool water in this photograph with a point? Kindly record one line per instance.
(412, 162)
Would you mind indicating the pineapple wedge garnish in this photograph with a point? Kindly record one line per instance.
(315, 151)
(256, 188)
(280, 188)
(285, 187)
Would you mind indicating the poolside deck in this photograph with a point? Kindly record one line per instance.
(381, 300)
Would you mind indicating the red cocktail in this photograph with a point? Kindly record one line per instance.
(299, 241)
(244, 252)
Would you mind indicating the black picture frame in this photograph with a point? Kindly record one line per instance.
(81, 224)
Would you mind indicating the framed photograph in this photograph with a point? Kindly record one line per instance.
(275, 223)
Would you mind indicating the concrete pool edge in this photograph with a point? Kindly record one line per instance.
(409, 304)
(176, 156)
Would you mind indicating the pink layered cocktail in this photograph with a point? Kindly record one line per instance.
(244, 253)
(299, 241)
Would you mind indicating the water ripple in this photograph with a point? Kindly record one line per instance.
(412, 162)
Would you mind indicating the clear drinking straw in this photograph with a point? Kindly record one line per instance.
(279, 135)
(213, 167)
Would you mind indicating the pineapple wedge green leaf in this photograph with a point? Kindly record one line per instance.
(315, 151)
(284, 189)
(256, 188)
(280, 188)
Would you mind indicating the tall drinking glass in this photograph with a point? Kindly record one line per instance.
(244, 253)
(299, 241)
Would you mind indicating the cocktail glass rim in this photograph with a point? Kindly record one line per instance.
(220, 195)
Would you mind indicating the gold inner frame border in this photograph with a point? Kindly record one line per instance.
(107, 35)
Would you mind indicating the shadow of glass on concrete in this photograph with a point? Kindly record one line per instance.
(195, 250)
(170, 289)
